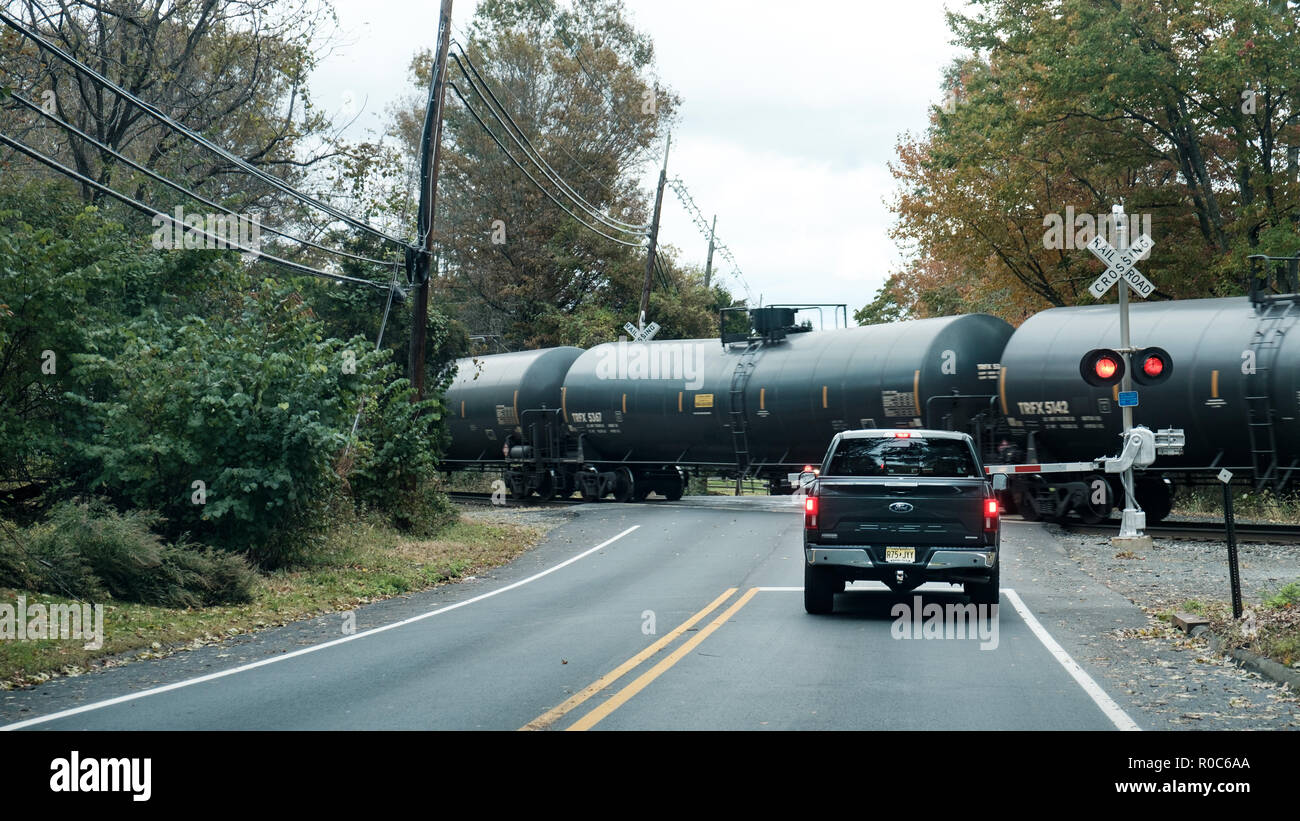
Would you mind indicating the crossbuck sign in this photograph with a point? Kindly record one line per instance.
(642, 334)
(1120, 265)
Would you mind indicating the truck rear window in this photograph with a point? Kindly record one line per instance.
(903, 457)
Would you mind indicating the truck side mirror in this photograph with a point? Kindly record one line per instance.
(806, 478)
(999, 481)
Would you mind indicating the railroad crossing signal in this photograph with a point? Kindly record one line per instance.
(1151, 366)
(641, 334)
(1102, 367)
(1120, 265)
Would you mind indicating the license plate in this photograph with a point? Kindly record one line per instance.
(904, 555)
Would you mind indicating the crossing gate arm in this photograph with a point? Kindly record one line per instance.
(1045, 467)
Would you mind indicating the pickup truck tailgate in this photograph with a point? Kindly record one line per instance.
(900, 512)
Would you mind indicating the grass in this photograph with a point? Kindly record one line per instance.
(362, 563)
(1270, 629)
(1247, 503)
(727, 487)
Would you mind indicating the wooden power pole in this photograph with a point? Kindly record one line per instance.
(708, 265)
(654, 237)
(430, 154)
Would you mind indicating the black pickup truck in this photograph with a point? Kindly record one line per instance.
(903, 507)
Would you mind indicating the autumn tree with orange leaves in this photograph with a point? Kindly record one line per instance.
(1186, 113)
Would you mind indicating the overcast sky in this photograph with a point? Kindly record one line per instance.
(790, 114)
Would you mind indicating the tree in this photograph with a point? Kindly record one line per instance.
(233, 71)
(1185, 112)
(578, 83)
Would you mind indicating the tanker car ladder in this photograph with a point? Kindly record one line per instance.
(1276, 320)
(739, 427)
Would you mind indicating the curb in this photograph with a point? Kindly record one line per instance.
(1256, 663)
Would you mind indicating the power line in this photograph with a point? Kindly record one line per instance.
(526, 146)
(586, 170)
(154, 212)
(528, 174)
(178, 187)
(164, 119)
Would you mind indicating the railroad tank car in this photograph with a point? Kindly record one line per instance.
(488, 395)
(1233, 387)
(777, 403)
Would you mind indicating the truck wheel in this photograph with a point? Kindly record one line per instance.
(986, 592)
(818, 590)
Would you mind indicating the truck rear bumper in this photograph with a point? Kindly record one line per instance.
(940, 560)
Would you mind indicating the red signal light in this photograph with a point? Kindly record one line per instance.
(1152, 366)
(1101, 367)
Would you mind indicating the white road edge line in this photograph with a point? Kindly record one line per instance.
(304, 651)
(1108, 706)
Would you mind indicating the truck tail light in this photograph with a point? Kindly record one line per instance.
(810, 512)
(990, 515)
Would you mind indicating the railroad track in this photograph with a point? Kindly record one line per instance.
(1200, 531)
(486, 500)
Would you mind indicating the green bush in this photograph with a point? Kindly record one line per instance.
(89, 551)
(1286, 597)
(394, 467)
(228, 427)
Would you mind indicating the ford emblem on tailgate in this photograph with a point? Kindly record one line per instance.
(901, 507)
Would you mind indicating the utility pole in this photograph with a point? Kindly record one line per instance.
(430, 154)
(654, 236)
(708, 265)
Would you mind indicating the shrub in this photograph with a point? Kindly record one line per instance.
(226, 426)
(87, 550)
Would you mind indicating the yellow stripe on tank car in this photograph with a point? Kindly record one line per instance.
(679, 401)
(1002, 388)
(916, 390)
(624, 403)
(516, 405)
(462, 409)
(762, 398)
(564, 407)
(1214, 384)
(824, 404)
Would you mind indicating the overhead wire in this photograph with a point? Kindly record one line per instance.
(166, 120)
(591, 175)
(474, 113)
(177, 186)
(529, 150)
(154, 212)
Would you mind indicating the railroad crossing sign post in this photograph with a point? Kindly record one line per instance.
(1121, 267)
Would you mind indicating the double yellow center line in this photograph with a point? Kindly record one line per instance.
(550, 717)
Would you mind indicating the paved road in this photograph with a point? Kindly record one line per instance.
(688, 617)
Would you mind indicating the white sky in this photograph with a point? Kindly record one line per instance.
(790, 113)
